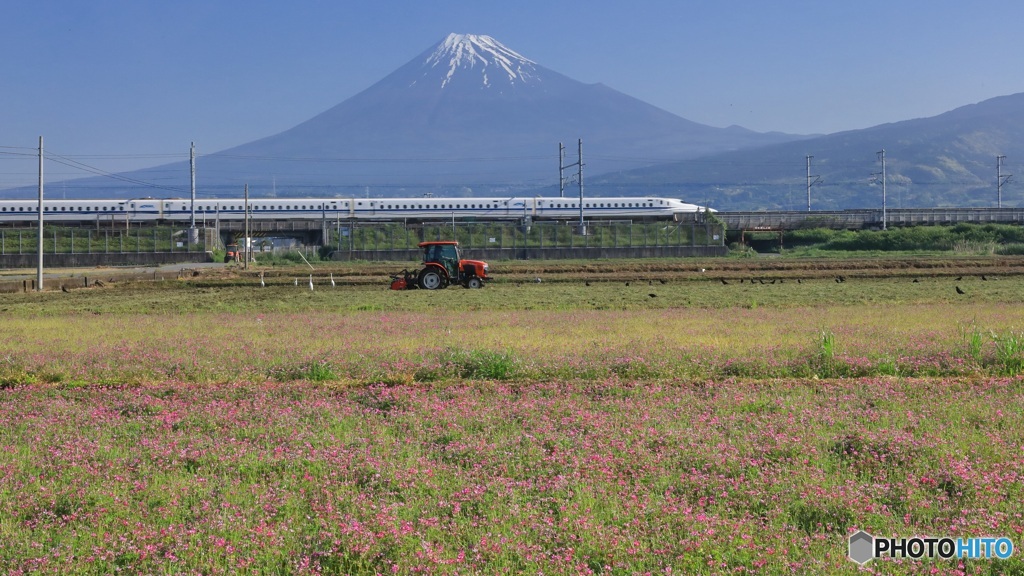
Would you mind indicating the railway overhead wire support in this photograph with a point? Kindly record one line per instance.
(582, 230)
(881, 157)
(579, 178)
(817, 180)
(193, 232)
(39, 268)
(1000, 180)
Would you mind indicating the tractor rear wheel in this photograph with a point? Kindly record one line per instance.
(430, 279)
(474, 283)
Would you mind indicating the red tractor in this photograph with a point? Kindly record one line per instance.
(442, 266)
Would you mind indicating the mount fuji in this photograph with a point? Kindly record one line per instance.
(467, 116)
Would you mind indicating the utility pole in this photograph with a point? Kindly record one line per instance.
(1000, 180)
(193, 234)
(881, 156)
(817, 179)
(39, 268)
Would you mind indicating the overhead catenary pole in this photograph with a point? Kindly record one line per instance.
(810, 182)
(881, 156)
(192, 173)
(579, 176)
(246, 265)
(1000, 180)
(561, 168)
(39, 268)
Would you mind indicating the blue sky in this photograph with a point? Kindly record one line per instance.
(121, 84)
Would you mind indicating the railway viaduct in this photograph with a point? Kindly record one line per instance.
(867, 219)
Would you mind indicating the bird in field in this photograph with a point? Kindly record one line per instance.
(262, 283)
(741, 280)
(916, 280)
(653, 295)
(537, 280)
(296, 281)
(662, 280)
(586, 282)
(62, 288)
(627, 283)
(983, 277)
(959, 291)
(760, 280)
(332, 280)
(310, 282)
(773, 281)
(799, 281)
(959, 278)
(838, 281)
(723, 281)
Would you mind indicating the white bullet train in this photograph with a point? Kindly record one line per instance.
(376, 209)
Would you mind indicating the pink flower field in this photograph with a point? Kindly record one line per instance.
(671, 441)
(553, 477)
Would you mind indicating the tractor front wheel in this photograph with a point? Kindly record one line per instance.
(430, 279)
(474, 283)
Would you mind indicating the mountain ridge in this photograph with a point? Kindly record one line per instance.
(944, 160)
(454, 120)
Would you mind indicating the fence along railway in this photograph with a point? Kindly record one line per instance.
(115, 240)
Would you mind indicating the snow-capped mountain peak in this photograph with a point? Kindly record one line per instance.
(491, 58)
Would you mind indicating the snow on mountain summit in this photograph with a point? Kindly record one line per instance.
(483, 53)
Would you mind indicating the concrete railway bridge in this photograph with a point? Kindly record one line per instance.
(867, 218)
